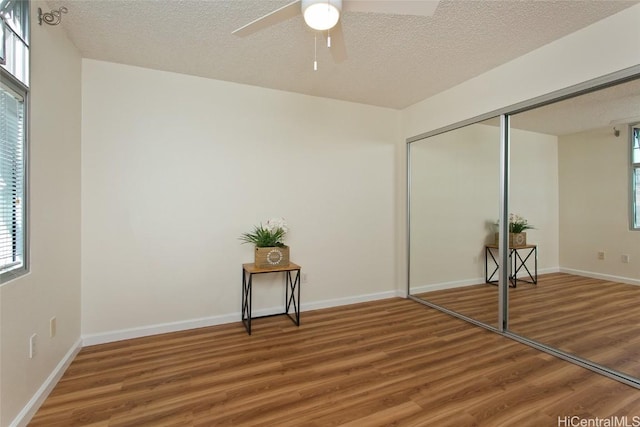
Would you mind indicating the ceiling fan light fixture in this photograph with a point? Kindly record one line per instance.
(321, 15)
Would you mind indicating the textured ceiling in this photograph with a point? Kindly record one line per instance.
(393, 61)
(613, 106)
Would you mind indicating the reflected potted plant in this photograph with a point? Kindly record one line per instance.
(270, 251)
(517, 227)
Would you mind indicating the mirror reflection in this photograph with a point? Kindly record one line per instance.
(575, 181)
(454, 196)
(584, 212)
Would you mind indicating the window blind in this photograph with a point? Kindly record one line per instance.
(12, 168)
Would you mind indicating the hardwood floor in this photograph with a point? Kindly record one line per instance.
(594, 319)
(391, 362)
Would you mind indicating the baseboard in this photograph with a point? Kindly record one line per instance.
(351, 300)
(163, 328)
(30, 409)
(466, 282)
(601, 276)
(446, 285)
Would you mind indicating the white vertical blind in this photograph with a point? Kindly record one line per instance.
(12, 168)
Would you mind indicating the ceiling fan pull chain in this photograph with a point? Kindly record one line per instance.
(315, 52)
(329, 38)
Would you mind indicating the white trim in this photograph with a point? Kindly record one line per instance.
(30, 409)
(163, 328)
(446, 285)
(548, 270)
(467, 282)
(601, 276)
(351, 300)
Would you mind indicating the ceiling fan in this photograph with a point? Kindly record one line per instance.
(324, 15)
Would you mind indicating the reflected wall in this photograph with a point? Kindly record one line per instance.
(454, 206)
(589, 308)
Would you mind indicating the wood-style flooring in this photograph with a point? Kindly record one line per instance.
(392, 362)
(595, 319)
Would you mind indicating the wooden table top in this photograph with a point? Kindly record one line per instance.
(251, 268)
(494, 246)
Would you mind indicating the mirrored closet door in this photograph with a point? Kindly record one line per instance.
(572, 177)
(454, 185)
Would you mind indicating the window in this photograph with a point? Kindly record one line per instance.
(14, 80)
(635, 176)
(11, 180)
(15, 29)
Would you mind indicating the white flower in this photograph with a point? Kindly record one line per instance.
(276, 223)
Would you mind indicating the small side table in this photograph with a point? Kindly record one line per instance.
(292, 292)
(518, 257)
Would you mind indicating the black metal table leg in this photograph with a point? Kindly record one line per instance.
(292, 292)
(513, 254)
(293, 285)
(489, 278)
(521, 263)
(516, 264)
(246, 300)
(535, 263)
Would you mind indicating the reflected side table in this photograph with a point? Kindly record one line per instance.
(291, 298)
(518, 258)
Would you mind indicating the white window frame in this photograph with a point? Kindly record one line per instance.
(14, 79)
(9, 271)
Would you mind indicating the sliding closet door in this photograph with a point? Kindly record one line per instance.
(572, 178)
(454, 205)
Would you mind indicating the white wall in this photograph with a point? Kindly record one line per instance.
(454, 187)
(607, 46)
(594, 207)
(175, 168)
(534, 192)
(52, 288)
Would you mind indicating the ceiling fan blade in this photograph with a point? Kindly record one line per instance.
(338, 48)
(285, 12)
(392, 7)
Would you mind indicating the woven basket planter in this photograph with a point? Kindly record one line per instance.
(515, 239)
(272, 257)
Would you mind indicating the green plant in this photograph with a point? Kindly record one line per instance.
(267, 235)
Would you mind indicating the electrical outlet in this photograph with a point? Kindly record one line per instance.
(52, 327)
(625, 258)
(304, 278)
(601, 255)
(32, 346)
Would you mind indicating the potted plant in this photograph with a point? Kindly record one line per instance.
(517, 227)
(270, 251)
